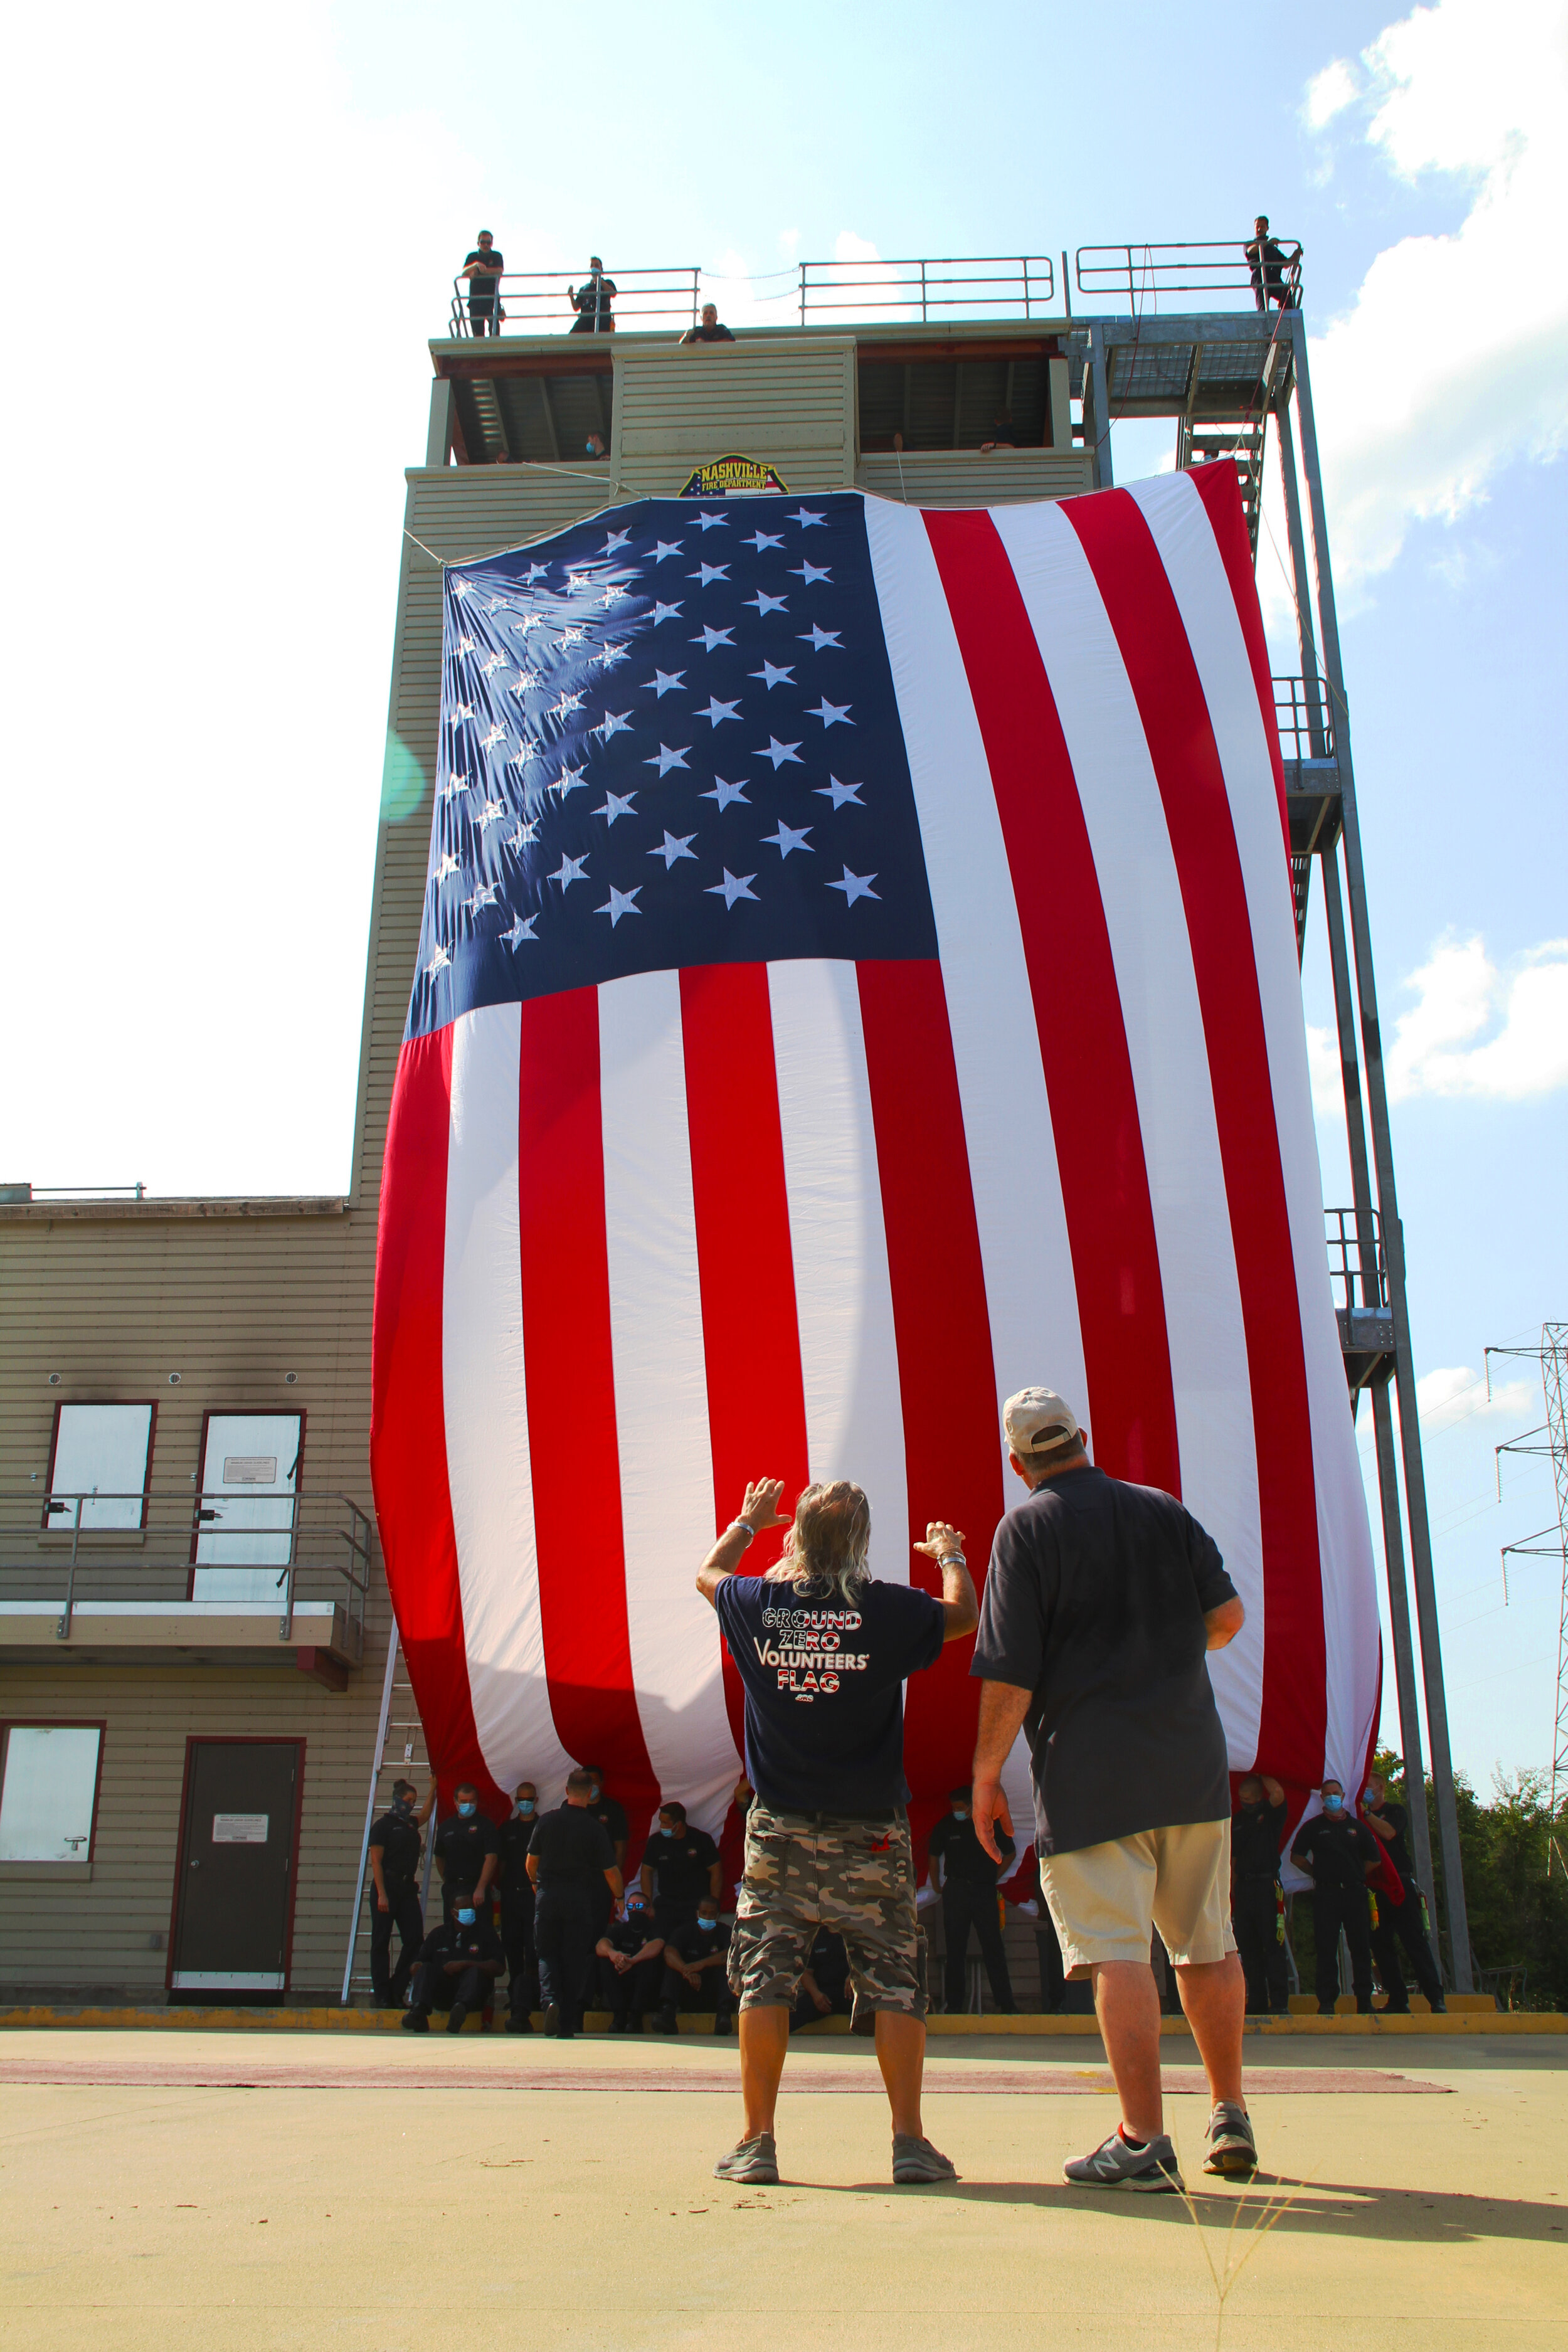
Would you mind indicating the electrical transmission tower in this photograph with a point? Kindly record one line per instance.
(1550, 1543)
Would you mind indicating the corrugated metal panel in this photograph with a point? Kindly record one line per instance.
(964, 479)
(790, 404)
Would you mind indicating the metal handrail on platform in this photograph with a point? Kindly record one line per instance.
(992, 285)
(143, 1546)
(539, 302)
(1141, 272)
(1301, 715)
(1358, 1270)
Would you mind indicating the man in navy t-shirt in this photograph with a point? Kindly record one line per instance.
(823, 1649)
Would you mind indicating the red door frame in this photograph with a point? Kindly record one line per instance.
(195, 1739)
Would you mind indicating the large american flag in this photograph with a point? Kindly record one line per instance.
(858, 979)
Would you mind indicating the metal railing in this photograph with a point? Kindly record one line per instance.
(989, 285)
(13, 1195)
(1358, 1270)
(1301, 715)
(1141, 273)
(539, 302)
(163, 1546)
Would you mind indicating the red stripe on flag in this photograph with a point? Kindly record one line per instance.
(569, 1373)
(1144, 614)
(1219, 488)
(1078, 1011)
(942, 1330)
(407, 1422)
(756, 1395)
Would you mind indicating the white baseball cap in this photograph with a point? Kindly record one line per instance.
(1037, 1421)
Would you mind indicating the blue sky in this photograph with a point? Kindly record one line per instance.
(247, 228)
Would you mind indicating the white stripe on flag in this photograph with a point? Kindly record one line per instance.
(661, 1395)
(485, 1411)
(1030, 1294)
(848, 1354)
(1141, 892)
(1182, 531)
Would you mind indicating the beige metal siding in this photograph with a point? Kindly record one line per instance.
(790, 404)
(964, 479)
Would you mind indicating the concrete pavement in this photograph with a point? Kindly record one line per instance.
(304, 2191)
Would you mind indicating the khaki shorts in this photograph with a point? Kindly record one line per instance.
(807, 1870)
(1106, 1899)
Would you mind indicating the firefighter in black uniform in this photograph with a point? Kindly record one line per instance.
(824, 1983)
(1257, 1899)
(1338, 1852)
(680, 1866)
(569, 1857)
(631, 1965)
(969, 1879)
(611, 1816)
(1399, 1923)
(467, 1851)
(395, 1849)
(517, 1907)
(696, 1958)
(457, 1966)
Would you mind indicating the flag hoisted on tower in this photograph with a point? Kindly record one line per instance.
(857, 980)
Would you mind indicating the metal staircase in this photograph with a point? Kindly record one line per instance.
(401, 1754)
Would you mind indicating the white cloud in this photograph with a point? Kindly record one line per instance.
(1323, 1065)
(1453, 360)
(847, 246)
(1457, 1394)
(1475, 1031)
(1329, 93)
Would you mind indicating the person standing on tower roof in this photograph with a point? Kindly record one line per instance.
(482, 268)
(591, 301)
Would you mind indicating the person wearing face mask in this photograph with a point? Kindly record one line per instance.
(1339, 1853)
(695, 1961)
(680, 1866)
(395, 1849)
(1400, 1923)
(967, 1880)
(570, 1857)
(631, 1971)
(457, 1966)
(517, 1907)
(467, 1852)
(1257, 1899)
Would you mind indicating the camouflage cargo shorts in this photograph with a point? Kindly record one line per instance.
(807, 1870)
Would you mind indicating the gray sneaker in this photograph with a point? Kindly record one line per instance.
(1233, 2151)
(754, 2162)
(915, 2160)
(1114, 2165)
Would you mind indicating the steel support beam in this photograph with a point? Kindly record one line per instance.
(1388, 1202)
(1097, 428)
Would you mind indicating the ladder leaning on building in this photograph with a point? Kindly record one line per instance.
(401, 1754)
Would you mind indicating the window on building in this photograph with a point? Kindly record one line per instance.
(101, 1452)
(49, 1792)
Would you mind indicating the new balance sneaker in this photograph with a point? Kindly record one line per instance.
(1233, 2151)
(915, 2160)
(752, 2162)
(1119, 2164)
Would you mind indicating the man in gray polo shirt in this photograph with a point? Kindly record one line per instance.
(1100, 1602)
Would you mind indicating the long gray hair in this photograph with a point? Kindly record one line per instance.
(825, 1550)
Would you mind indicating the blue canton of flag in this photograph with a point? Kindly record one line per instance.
(668, 736)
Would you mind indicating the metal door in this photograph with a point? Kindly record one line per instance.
(233, 1897)
(246, 1486)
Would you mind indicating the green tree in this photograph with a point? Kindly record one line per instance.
(1517, 1909)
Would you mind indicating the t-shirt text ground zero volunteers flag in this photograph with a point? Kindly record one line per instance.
(857, 980)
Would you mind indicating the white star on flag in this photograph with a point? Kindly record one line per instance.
(448, 865)
(526, 751)
(484, 895)
(787, 838)
(712, 637)
(441, 960)
(465, 645)
(577, 581)
(488, 668)
(663, 547)
(574, 869)
(805, 518)
(709, 521)
(779, 752)
(614, 722)
(521, 929)
(616, 539)
(772, 675)
(664, 681)
(838, 793)
(664, 759)
(491, 814)
(766, 604)
(664, 613)
(725, 792)
(535, 571)
(855, 886)
(732, 886)
(717, 710)
(572, 636)
(527, 831)
(616, 594)
(462, 710)
(760, 539)
(616, 805)
(810, 571)
(570, 779)
(496, 735)
(706, 573)
(528, 621)
(619, 903)
(670, 849)
(612, 655)
(565, 707)
(833, 714)
(460, 587)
